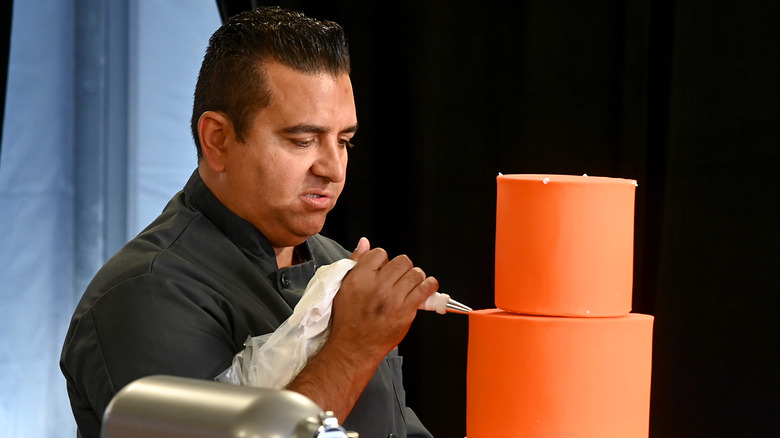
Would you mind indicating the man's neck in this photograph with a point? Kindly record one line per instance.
(284, 256)
(289, 256)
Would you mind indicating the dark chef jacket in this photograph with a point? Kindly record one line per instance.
(182, 297)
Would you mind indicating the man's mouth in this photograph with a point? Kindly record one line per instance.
(318, 200)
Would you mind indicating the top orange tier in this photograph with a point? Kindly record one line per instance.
(564, 245)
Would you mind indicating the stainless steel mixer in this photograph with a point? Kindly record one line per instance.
(176, 407)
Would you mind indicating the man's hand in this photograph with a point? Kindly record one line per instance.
(371, 314)
(377, 302)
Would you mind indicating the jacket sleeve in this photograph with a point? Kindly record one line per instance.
(140, 328)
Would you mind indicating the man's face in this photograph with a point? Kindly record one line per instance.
(290, 170)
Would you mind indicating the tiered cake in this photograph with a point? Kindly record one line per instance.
(561, 357)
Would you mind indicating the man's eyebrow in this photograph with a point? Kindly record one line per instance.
(315, 129)
(351, 129)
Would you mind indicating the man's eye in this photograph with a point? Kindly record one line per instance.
(346, 143)
(303, 143)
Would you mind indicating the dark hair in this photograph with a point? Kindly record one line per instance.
(231, 78)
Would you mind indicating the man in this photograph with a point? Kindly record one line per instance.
(230, 255)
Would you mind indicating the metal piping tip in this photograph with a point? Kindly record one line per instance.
(456, 307)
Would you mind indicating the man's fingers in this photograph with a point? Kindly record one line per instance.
(410, 280)
(414, 287)
(422, 291)
(395, 269)
(396, 282)
(363, 247)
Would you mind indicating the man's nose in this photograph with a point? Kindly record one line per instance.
(331, 161)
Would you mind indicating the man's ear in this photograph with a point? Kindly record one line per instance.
(215, 131)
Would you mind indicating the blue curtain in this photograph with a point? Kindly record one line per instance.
(95, 140)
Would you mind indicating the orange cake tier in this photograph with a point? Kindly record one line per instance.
(564, 245)
(558, 377)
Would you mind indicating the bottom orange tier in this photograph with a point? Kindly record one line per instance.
(558, 377)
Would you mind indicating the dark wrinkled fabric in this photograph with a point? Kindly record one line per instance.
(182, 297)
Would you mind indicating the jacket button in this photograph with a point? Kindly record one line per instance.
(286, 281)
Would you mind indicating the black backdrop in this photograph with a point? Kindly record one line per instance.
(681, 96)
